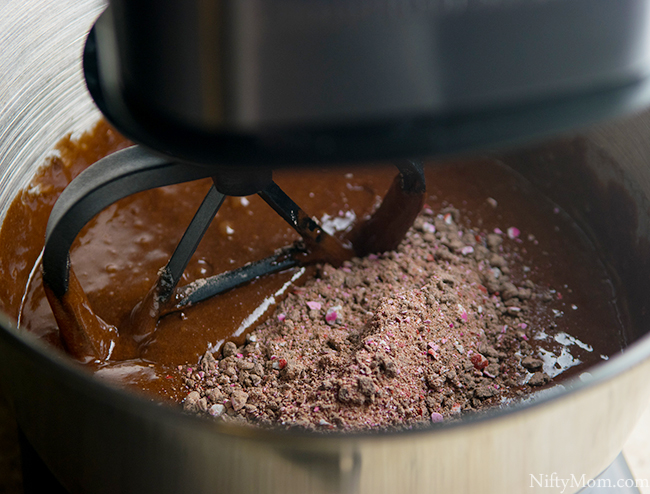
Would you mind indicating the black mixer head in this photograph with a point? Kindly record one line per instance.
(290, 82)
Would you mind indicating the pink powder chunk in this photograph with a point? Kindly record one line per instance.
(428, 227)
(332, 315)
(513, 232)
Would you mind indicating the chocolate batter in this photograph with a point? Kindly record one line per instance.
(116, 257)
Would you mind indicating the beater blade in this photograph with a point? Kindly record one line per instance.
(135, 169)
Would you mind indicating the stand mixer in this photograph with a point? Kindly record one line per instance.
(231, 91)
(459, 93)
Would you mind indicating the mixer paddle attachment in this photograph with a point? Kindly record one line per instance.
(87, 337)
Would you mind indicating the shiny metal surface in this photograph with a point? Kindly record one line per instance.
(248, 64)
(277, 82)
(42, 96)
(98, 439)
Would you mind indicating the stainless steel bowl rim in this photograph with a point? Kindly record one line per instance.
(46, 358)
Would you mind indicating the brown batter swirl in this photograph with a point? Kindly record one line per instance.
(116, 257)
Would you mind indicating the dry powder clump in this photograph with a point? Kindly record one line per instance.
(398, 340)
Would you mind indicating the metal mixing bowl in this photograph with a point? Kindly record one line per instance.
(97, 439)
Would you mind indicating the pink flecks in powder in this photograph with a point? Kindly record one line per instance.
(513, 232)
(498, 231)
(467, 250)
(479, 361)
(395, 350)
(428, 227)
(333, 315)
